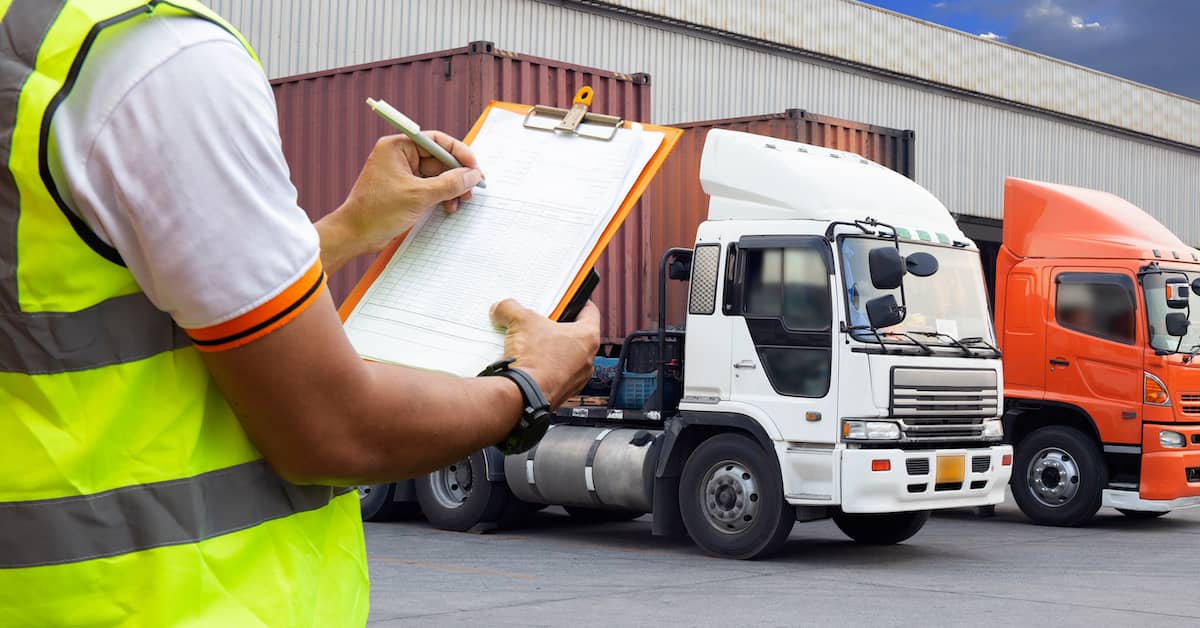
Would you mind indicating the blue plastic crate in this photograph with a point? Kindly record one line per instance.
(635, 390)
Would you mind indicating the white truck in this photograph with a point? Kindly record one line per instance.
(838, 361)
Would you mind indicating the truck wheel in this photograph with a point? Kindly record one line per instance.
(376, 502)
(881, 529)
(601, 515)
(1058, 476)
(459, 496)
(731, 499)
(1142, 514)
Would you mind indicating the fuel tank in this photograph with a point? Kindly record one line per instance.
(592, 467)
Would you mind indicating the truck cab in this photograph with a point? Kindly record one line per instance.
(838, 360)
(1102, 391)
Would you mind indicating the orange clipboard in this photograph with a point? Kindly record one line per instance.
(670, 138)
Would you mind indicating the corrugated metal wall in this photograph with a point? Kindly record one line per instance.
(328, 131)
(677, 204)
(968, 144)
(866, 34)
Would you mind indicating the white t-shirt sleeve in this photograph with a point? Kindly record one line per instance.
(178, 165)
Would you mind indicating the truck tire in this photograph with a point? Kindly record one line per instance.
(1058, 476)
(377, 503)
(731, 499)
(1142, 514)
(601, 515)
(459, 496)
(880, 529)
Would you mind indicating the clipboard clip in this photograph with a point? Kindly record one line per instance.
(577, 120)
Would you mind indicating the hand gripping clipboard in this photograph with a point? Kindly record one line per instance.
(586, 126)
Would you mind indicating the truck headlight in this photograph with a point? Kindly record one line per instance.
(1171, 440)
(870, 430)
(992, 428)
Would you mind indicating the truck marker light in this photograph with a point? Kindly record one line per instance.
(881, 465)
(1006, 460)
(812, 416)
(1155, 391)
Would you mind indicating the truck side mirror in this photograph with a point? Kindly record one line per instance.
(884, 311)
(921, 264)
(1196, 285)
(1177, 324)
(680, 269)
(1177, 293)
(887, 267)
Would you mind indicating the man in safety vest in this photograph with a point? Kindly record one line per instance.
(178, 401)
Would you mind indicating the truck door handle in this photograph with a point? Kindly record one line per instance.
(745, 364)
(1059, 362)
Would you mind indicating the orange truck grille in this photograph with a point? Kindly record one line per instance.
(1189, 403)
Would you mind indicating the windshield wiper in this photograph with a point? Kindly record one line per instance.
(1192, 352)
(978, 340)
(874, 333)
(954, 341)
(924, 347)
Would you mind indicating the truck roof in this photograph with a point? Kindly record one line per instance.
(1062, 221)
(753, 177)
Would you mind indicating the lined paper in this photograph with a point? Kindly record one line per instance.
(549, 198)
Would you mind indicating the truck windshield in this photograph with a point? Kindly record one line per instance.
(948, 306)
(1154, 287)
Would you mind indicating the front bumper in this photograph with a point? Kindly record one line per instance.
(912, 482)
(1129, 500)
(1166, 472)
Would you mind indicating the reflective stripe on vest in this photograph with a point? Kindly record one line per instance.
(129, 492)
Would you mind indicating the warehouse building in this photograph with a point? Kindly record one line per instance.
(977, 110)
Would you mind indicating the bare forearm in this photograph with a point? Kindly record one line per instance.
(338, 244)
(417, 421)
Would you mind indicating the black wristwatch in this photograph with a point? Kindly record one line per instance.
(536, 418)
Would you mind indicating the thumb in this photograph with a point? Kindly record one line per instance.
(508, 313)
(450, 184)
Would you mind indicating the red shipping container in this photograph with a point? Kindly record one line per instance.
(328, 131)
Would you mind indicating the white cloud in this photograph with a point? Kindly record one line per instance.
(992, 36)
(1046, 8)
(1077, 23)
(939, 5)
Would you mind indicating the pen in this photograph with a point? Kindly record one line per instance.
(413, 131)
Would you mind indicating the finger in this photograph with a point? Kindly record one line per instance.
(460, 150)
(450, 184)
(509, 312)
(450, 206)
(401, 150)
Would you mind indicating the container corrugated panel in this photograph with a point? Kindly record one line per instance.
(677, 204)
(328, 131)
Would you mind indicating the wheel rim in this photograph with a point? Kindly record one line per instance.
(1053, 477)
(730, 496)
(452, 485)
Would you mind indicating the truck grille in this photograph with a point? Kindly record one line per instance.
(917, 466)
(981, 464)
(1189, 403)
(943, 404)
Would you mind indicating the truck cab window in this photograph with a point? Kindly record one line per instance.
(787, 306)
(1097, 304)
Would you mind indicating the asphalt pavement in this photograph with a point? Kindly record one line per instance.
(959, 570)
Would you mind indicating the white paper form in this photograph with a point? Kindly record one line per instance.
(549, 198)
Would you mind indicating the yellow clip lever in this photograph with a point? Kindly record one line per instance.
(579, 108)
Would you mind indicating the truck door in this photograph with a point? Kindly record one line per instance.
(780, 304)
(1093, 355)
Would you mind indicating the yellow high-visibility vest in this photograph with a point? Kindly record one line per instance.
(129, 493)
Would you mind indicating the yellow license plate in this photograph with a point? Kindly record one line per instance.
(951, 469)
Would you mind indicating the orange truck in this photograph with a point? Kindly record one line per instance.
(1101, 376)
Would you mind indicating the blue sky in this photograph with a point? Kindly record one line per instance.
(1148, 41)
